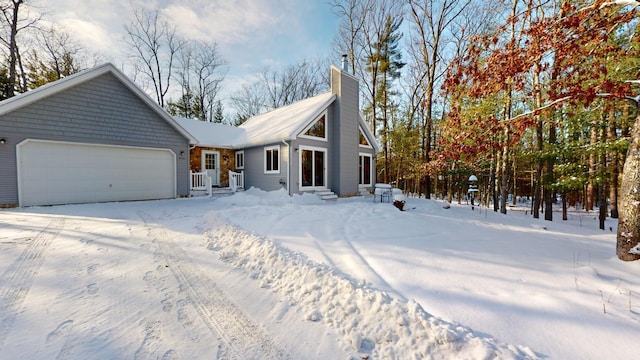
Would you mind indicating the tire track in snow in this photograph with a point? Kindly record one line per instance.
(340, 253)
(350, 227)
(240, 337)
(18, 278)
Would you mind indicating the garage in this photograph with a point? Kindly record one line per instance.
(55, 172)
(93, 136)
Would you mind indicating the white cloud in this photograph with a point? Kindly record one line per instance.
(231, 22)
(92, 35)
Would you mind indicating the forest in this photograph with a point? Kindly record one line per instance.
(538, 99)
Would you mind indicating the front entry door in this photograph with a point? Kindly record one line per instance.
(313, 168)
(211, 166)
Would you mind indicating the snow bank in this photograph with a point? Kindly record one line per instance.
(371, 323)
(255, 196)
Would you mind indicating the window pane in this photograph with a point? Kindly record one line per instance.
(317, 129)
(239, 160)
(319, 168)
(275, 160)
(367, 170)
(364, 167)
(363, 140)
(307, 168)
(209, 161)
(269, 160)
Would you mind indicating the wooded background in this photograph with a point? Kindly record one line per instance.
(537, 98)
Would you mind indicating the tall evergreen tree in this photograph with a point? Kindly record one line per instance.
(386, 63)
(218, 115)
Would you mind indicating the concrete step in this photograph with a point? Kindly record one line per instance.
(326, 195)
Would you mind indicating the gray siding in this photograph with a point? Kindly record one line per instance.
(254, 169)
(345, 134)
(103, 111)
(342, 147)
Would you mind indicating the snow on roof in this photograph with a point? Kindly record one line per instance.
(212, 134)
(284, 123)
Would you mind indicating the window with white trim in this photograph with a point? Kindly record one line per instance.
(272, 159)
(365, 170)
(240, 159)
(313, 167)
(363, 139)
(318, 129)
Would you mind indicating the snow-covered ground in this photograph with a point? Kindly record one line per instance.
(265, 276)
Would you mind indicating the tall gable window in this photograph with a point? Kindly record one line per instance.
(318, 129)
(363, 139)
(272, 159)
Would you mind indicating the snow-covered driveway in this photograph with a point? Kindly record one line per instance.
(263, 276)
(115, 284)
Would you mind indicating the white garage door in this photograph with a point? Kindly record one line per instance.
(65, 173)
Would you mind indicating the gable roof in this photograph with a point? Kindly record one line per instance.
(286, 122)
(210, 134)
(52, 88)
(283, 123)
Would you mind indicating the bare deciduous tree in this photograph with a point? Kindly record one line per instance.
(275, 88)
(295, 82)
(436, 36)
(55, 54)
(249, 101)
(348, 40)
(16, 19)
(200, 75)
(154, 45)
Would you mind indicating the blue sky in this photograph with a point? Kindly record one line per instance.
(250, 33)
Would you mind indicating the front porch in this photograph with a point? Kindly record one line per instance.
(201, 184)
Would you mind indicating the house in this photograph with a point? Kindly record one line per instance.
(90, 137)
(96, 137)
(320, 144)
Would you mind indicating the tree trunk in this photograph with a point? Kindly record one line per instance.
(428, 129)
(494, 182)
(537, 188)
(591, 187)
(564, 206)
(602, 206)
(614, 164)
(504, 172)
(613, 187)
(515, 183)
(13, 49)
(449, 188)
(549, 194)
(629, 205)
(602, 185)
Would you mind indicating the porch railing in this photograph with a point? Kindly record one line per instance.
(200, 181)
(236, 180)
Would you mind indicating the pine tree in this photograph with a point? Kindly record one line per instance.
(386, 63)
(218, 116)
